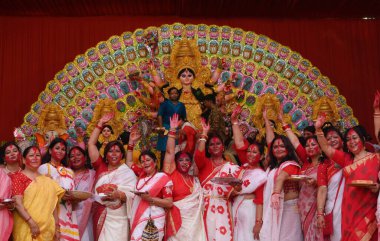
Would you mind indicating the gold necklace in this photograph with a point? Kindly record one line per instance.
(191, 186)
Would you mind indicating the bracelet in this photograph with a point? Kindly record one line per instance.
(202, 139)
(27, 220)
(260, 221)
(130, 147)
(320, 215)
(275, 193)
(99, 127)
(172, 132)
(203, 136)
(173, 136)
(319, 133)
(173, 129)
(235, 123)
(285, 127)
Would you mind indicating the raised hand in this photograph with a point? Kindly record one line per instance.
(265, 113)
(235, 113)
(205, 126)
(135, 135)
(376, 102)
(174, 121)
(321, 119)
(105, 118)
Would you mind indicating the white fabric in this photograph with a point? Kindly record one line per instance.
(157, 213)
(244, 210)
(116, 226)
(191, 208)
(291, 222)
(332, 190)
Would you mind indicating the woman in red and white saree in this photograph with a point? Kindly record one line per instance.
(218, 198)
(187, 190)
(359, 203)
(248, 205)
(153, 195)
(113, 183)
(84, 181)
(331, 183)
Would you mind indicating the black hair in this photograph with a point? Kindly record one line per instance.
(47, 157)
(362, 133)
(26, 151)
(110, 145)
(184, 70)
(109, 127)
(2, 150)
(210, 97)
(210, 136)
(310, 129)
(291, 156)
(328, 126)
(178, 154)
(172, 88)
(148, 153)
(84, 152)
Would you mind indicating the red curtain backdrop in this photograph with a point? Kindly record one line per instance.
(34, 49)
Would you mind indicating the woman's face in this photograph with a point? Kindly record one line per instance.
(114, 156)
(279, 149)
(58, 152)
(148, 164)
(106, 132)
(215, 147)
(77, 159)
(12, 154)
(312, 148)
(354, 143)
(334, 140)
(253, 154)
(183, 163)
(186, 78)
(33, 158)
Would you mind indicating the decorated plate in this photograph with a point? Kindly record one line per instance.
(80, 195)
(362, 183)
(298, 177)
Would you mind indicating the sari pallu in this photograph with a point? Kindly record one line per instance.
(40, 200)
(191, 209)
(283, 224)
(6, 218)
(244, 210)
(111, 218)
(359, 204)
(84, 181)
(141, 209)
(307, 204)
(67, 216)
(218, 210)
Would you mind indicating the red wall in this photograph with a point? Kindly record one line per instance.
(33, 50)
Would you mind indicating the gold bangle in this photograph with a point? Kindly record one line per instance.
(202, 139)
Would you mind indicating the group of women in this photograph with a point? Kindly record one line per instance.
(298, 190)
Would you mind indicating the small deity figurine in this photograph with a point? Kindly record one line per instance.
(188, 75)
(51, 124)
(103, 107)
(326, 107)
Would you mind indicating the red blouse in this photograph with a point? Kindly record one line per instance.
(204, 164)
(288, 184)
(181, 188)
(19, 183)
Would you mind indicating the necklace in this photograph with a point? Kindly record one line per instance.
(12, 172)
(81, 178)
(145, 182)
(191, 186)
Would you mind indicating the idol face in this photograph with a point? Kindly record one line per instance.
(186, 78)
(106, 132)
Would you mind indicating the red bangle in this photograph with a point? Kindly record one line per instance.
(99, 127)
(172, 133)
(130, 147)
(259, 221)
(27, 220)
(285, 127)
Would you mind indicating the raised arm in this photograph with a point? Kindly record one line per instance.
(236, 132)
(326, 148)
(134, 137)
(169, 164)
(269, 133)
(198, 157)
(376, 115)
(93, 151)
(289, 132)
